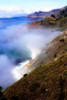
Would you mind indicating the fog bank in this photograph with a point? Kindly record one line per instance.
(19, 45)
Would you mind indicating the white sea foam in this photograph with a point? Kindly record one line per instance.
(20, 70)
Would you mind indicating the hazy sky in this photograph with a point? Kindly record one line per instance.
(31, 5)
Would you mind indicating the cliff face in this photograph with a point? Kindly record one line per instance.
(47, 81)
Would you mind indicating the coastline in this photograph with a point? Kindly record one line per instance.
(29, 65)
(44, 77)
(48, 71)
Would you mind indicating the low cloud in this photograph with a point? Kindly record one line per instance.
(10, 11)
(5, 71)
(16, 42)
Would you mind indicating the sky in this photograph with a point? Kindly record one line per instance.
(29, 6)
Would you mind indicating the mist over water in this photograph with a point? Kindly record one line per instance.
(19, 45)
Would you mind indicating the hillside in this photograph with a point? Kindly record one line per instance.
(53, 20)
(42, 14)
(47, 81)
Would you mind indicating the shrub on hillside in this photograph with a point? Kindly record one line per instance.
(61, 40)
(1, 94)
(41, 22)
(14, 98)
(53, 16)
(55, 55)
(34, 86)
(43, 89)
(25, 75)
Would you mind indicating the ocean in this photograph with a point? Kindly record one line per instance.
(19, 45)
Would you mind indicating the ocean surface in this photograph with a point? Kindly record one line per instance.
(19, 45)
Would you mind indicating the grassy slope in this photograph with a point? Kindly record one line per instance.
(51, 22)
(47, 82)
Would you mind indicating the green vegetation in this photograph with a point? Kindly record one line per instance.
(62, 22)
(63, 13)
(14, 98)
(25, 75)
(43, 90)
(34, 86)
(55, 55)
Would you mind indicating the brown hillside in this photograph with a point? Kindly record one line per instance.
(46, 82)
